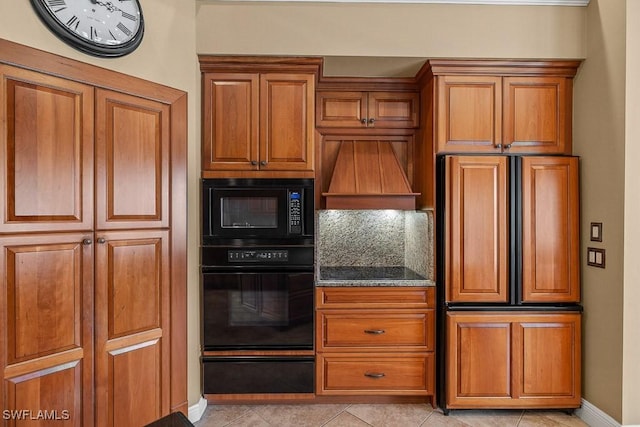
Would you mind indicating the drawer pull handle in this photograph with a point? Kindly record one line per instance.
(374, 375)
(374, 331)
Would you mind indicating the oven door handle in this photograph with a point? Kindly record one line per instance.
(256, 269)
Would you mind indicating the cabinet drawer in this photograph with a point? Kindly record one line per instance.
(379, 329)
(375, 297)
(362, 374)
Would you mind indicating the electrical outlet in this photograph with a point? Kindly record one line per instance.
(596, 257)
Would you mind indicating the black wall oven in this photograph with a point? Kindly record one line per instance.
(257, 286)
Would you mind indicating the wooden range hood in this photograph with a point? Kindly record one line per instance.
(368, 175)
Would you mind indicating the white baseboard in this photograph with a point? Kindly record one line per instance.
(196, 411)
(594, 416)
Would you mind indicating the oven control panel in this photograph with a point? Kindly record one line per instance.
(257, 255)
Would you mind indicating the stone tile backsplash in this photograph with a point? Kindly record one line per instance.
(376, 238)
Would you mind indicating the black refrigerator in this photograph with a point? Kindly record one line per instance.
(508, 282)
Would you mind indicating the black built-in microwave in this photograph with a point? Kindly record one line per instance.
(257, 209)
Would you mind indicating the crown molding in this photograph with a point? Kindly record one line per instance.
(486, 2)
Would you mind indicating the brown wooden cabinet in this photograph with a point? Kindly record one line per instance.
(258, 116)
(491, 107)
(513, 360)
(375, 341)
(92, 241)
(351, 109)
(503, 113)
(478, 228)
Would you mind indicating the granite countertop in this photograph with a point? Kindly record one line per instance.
(370, 276)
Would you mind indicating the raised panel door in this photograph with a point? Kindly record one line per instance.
(476, 224)
(549, 367)
(550, 229)
(46, 336)
(287, 129)
(132, 327)
(46, 172)
(230, 121)
(341, 109)
(479, 355)
(513, 360)
(393, 109)
(469, 114)
(537, 115)
(132, 161)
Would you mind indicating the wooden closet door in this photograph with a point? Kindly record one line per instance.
(46, 332)
(476, 224)
(132, 162)
(132, 374)
(46, 169)
(550, 229)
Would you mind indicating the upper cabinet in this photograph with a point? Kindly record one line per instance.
(258, 116)
(506, 106)
(347, 109)
(492, 106)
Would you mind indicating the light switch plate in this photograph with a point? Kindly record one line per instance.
(595, 232)
(596, 257)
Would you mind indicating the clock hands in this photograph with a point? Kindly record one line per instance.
(110, 6)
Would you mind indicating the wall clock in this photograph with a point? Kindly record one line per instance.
(97, 27)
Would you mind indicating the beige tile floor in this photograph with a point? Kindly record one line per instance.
(375, 415)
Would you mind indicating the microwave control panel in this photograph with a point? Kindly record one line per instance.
(295, 212)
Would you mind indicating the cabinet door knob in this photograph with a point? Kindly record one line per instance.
(263, 163)
(506, 147)
(87, 241)
(101, 240)
(375, 375)
(363, 121)
(372, 121)
(374, 331)
(254, 162)
(499, 146)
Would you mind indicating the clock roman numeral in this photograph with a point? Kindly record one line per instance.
(129, 16)
(73, 20)
(94, 33)
(124, 29)
(56, 3)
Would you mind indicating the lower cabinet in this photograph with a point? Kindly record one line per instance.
(513, 360)
(375, 341)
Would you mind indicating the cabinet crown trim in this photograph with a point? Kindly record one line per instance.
(499, 67)
(253, 64)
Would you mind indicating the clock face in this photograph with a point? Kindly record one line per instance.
(98, 27)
